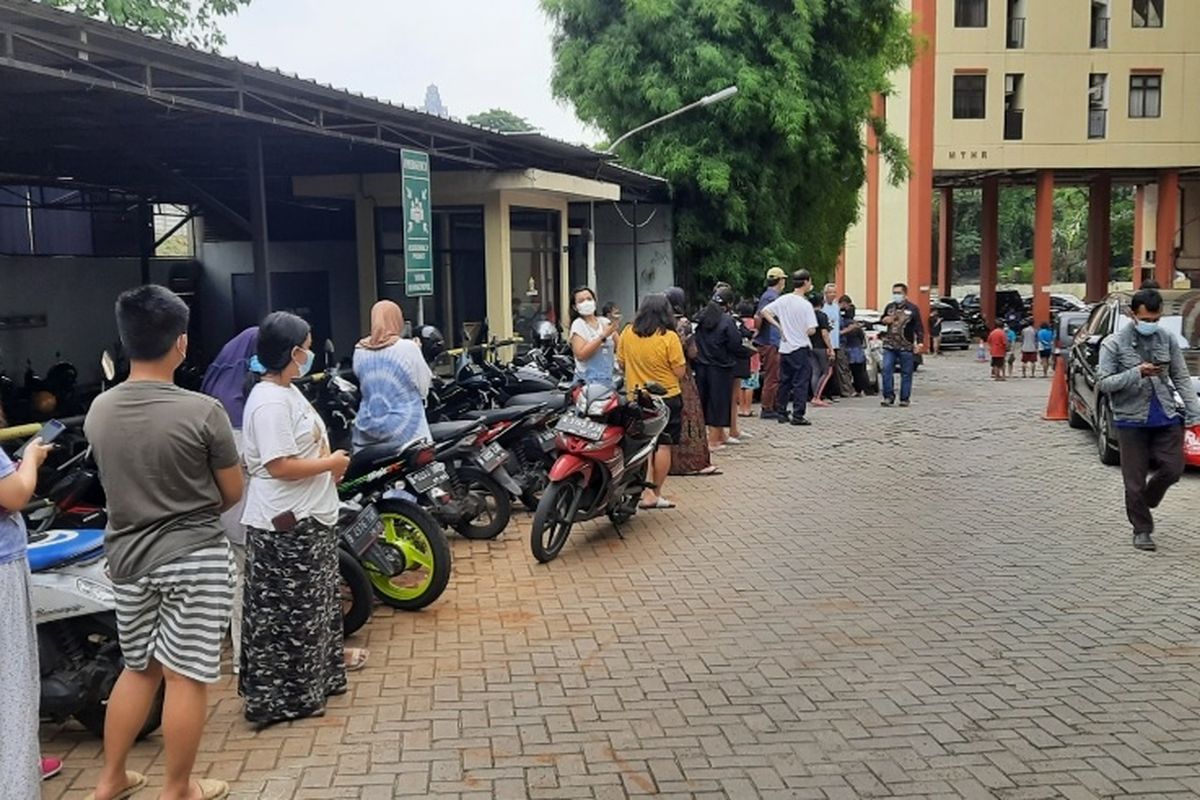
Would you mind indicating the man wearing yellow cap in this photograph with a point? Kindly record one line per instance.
(767, 341)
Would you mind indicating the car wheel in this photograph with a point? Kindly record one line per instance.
(1109, 454)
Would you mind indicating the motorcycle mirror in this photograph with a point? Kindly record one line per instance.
(330, 355)
(107, 366)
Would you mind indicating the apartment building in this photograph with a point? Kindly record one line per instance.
(1044, 93)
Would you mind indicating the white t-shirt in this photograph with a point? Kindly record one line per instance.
(580, 328)
(796, 316)
(280, 423)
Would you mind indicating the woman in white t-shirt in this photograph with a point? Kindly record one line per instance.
(593, 340)
(291, 622)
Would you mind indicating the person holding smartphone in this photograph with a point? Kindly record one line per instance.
(291, 620)
(21, 688)
(1146, 379)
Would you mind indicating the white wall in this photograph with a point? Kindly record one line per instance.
(614, 253)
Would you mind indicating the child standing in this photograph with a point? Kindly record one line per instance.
(997, 343)
(746, 311)
(1011, 337)
(1029, 348)
(1045, 347)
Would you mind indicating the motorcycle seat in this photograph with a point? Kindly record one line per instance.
(374, 456)
(448, 431)
(56, 548)
(490, 416)
(555, 401)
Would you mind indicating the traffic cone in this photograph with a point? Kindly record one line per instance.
(1056, 408)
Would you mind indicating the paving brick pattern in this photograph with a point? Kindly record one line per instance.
(938, 601)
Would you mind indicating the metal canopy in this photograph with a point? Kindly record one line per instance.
(91, 104)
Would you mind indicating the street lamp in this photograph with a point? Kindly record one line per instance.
(707, 100)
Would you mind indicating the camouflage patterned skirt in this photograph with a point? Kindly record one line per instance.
(291, 623)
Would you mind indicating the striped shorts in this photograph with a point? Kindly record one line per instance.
(178, 614)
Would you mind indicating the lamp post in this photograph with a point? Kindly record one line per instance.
(707, 100)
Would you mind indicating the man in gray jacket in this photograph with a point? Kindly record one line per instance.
(1143, 372)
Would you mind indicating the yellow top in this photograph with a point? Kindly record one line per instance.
(651, 358)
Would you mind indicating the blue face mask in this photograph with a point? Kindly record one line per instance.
(1147, 328)
(307, 366)
(897, 298)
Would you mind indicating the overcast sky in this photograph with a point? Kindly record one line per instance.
(481, 53)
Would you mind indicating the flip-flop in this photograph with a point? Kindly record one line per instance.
(212, 789)
(356, 658)
(136, 782)
(709, 470)
(661, 502)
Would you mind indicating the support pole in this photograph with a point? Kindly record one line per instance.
(946, 242)
(1099, 241)
(1139, 234)
(258, 225)
(989, 256)
(1043, 245)
(1167, 224)
(145, 220)
(636, 299)
(920, 147)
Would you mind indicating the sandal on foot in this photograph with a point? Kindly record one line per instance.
(709, 470)
(661, 502)
(212, 790)
(356, 658)
(134, 783)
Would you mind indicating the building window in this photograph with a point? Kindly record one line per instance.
(1145, 96)
(970, 96)
(970, 13)
(1097, 105)
(1148, 13)
(1014, 111)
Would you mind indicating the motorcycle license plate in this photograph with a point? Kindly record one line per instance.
(547, 439)
(361, 533)
(427, 478)
(491, 457)
(583, 428)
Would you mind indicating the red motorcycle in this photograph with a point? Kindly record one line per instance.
(605, 445)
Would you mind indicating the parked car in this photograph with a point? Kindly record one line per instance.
(1087, 408)
(956, 334)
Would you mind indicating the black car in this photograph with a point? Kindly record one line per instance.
(1086, 407)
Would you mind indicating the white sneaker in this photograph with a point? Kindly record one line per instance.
(732, 440)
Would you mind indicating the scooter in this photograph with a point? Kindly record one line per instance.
(605, 446)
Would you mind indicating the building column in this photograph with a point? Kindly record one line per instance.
(1167, 223)
(497, 260)
(839, 275)
(368, 288)
(920, 148)
(1043, 245)
(989, 246)
(877, 110)
(1139, 233)
(259, 236)
(1099, 241)
(946, 242)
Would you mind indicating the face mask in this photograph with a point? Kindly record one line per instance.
(1147, 328)
(586, 308)
(307, 366)
(897, 298)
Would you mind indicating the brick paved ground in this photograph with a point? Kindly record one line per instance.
(941, 602)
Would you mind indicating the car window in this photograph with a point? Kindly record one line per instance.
(1097, 324)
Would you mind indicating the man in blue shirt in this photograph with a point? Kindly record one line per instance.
(767, 341)
(841, 367)
(1143, 373)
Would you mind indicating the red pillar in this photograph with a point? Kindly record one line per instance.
(878, 110)
(1167, 223)
(989, 256)
(1043, 245)
(1139, 233)
(920, 148)
(840, 272)
(946, 242)
(1099, 241)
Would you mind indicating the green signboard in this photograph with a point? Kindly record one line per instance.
(418, 227)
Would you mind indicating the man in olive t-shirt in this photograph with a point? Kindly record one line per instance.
(169, 466)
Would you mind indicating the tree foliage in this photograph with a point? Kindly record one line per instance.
(772, 176)
(192, 22)
(499, 119)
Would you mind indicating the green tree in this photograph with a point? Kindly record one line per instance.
(498, 119)
(772, 176)
(192, 22)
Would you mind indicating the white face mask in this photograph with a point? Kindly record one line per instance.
(897, 298)
(586, 308)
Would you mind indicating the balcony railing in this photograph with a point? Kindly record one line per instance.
(1014, 124)
(1099, 32)
(1016, 33)
(1097, 123)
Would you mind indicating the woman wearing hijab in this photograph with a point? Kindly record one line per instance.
(718, 347)
(690, 454)
(394, 379)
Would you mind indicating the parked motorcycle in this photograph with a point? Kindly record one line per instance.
(605, 446)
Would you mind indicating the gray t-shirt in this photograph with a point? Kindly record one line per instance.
(157, 447)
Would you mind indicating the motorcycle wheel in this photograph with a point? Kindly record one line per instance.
(99, 642)
(355, 592)
(554, 519)
(629, 502)
(417, 535)
(491, 521)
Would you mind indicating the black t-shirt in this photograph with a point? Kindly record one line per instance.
(818, 341)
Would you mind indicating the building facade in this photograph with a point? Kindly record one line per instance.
(1044, 93)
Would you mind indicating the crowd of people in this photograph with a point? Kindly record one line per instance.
(1008, 337)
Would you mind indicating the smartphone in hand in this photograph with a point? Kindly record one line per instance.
(49, 432)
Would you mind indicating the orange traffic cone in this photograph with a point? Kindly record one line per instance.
(1056, 408)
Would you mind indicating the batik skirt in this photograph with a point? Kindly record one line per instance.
(291, 623)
